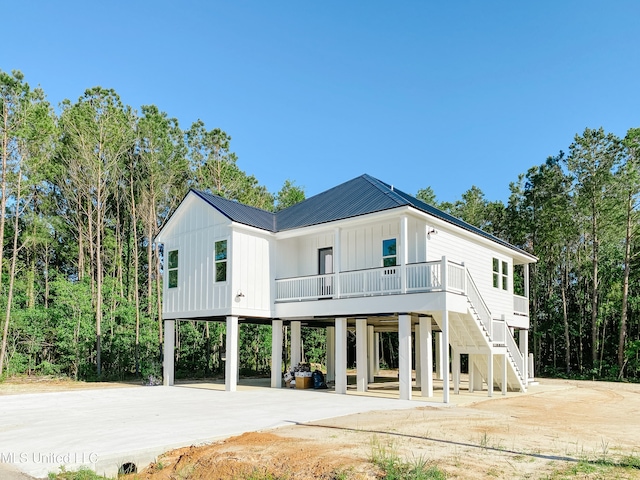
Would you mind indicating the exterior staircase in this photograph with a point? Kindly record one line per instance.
(477, 334)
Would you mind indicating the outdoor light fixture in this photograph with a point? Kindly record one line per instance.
(239, 294)
(430, 231)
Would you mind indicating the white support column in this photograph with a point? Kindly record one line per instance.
(524, 350)
(418, 355)
(426, 358)
(444, 348)
(371, 366)
(337, 256)
(231, 364)
(504, 373)
(471, 373)
(376, 348)
(331, 354)
(276, 353)
(168, 364)
(455, 371)
(238, 354)
(439, 373)
(404, 252)
(490, 373)
(341, 356)
(361, 354)
(477, 376)
(295, 343)
(404, 355)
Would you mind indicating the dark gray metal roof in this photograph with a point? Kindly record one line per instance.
(359, 196)
(239, 212)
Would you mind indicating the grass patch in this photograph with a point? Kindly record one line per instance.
(396, 468)
(626, 467)
(82, 474)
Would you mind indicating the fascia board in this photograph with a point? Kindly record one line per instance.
(250, 229)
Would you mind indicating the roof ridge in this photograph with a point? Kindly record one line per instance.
(386, 189)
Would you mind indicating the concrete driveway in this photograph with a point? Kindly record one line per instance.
(103, 429)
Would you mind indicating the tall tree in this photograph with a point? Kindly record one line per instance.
(27, 147)
(97, 135)
(289, 195)
(214, 168)
(593, 156)
(161, 176)
(427, 195)
(628, 177)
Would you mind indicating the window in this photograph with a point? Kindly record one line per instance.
(500, 276)
(505, 276)
(173, 269)
(221, 261)
(389, 252)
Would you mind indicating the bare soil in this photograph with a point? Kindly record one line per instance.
(548, 433)
(531, 436)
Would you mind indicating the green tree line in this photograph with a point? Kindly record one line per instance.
(86, 186)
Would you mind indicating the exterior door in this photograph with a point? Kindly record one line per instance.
(325, 267)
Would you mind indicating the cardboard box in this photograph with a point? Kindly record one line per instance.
(304, 382)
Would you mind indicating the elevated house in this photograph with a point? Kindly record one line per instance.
(362, 255)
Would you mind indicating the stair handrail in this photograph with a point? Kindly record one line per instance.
(484, 314)
(515, 354)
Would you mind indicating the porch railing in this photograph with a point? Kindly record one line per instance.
(520, 305)
(423, 277)
(415, 277)
(498, 331)
(303, 288)
(375, 281)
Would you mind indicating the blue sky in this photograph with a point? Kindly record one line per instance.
(416, 93)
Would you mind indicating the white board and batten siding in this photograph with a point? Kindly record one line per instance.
(360, 247)
(193, 231)
(249, 273)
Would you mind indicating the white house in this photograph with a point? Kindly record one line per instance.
(361, 255)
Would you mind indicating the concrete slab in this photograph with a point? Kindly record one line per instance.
(105, 428)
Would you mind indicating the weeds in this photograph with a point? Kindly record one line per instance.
(82, 474)
(395, 468)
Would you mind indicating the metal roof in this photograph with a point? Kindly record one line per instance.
(359, 196)
(239, 212)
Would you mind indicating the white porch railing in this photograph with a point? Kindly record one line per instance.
(498, 331)
(520, 305)
(375, 281)
(303, 288)
(424, 277)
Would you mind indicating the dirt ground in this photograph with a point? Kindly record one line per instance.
(543, 434)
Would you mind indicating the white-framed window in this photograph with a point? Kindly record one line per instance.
(172, 269)
(389, 253)
(221, 260)
(500, 274)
